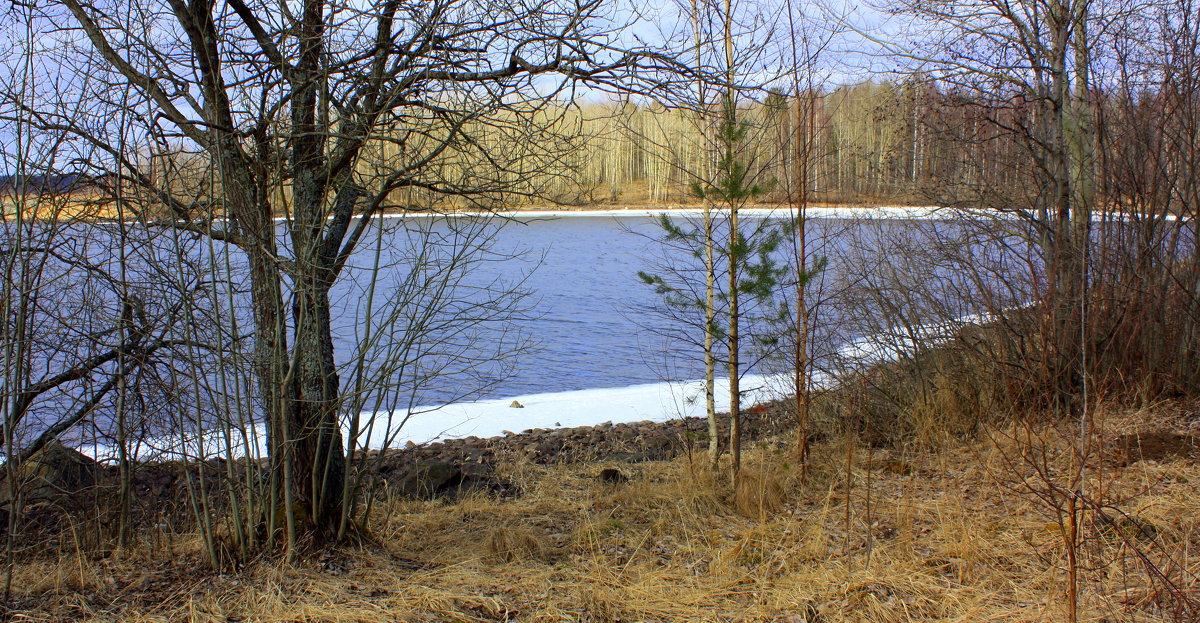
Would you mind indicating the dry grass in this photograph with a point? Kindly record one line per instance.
(951, 537)
(759, 495)
(512, 544)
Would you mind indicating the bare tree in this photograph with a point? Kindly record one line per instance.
(319, 114)
(1028, 65)
(804, 47)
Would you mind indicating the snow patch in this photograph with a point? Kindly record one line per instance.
(878, 212)
(658, 402)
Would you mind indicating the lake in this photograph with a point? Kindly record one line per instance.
(602, 347)
(588, 319)
(547, 309)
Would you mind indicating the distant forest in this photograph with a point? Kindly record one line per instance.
(873, 142)
(915, 141)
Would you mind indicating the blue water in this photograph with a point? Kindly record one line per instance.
(586, 292)
(428, 311)
(582, 318)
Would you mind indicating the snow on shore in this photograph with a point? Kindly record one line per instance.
(839, 211)
(586, 407)
(652, 401)
(483, 418)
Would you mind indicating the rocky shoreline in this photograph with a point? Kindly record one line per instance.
(632, 442)
(61, 480)
(447, 467)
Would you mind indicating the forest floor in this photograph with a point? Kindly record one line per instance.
(971, 531)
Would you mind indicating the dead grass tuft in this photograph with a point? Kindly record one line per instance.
(511, 544)
(760, 495)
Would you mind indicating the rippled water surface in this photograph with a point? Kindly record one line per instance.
(584, 305)
(589, 318)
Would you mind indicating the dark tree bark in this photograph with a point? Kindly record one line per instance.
(287, 107)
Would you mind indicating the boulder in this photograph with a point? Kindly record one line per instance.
(53, 473)
(612, 476)
(431, 479)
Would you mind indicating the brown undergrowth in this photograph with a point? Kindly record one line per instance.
(945, 535)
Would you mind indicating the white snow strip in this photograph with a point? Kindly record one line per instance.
(894, 212)
(915, 213)
(653, 401)
(896, 342)
(886, 212)
(657, 402)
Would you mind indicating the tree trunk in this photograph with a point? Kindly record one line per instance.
(313, 418)
(710, 266)
(804, 132)
(710, 319)
(735, 399)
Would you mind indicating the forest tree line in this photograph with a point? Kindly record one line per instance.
(914, 141)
